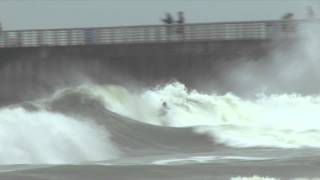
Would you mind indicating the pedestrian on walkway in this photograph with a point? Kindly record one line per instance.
(180, 24)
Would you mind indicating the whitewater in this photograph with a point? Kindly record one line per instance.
(286, 120)
(107, 130)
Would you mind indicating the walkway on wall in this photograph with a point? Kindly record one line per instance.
(153, 33)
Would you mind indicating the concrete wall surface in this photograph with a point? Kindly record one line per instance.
(27, 72)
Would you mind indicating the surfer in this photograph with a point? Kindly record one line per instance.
(163, 113)
(164, 109)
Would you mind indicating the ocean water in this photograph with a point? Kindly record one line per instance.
(109, 132)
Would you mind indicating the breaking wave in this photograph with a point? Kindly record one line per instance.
(42, 137)
(94, 123)
(279, 120)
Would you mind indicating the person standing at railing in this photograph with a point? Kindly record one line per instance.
(310, 13)
(288, 25)
(1, 40)
(168, 20)
(0, 28)
(180, 23)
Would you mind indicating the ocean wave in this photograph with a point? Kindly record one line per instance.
(135, 121)
(42, 137)
(278, 120)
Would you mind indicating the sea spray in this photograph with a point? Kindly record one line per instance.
(42, 137)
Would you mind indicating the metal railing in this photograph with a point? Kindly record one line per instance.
(148, 34)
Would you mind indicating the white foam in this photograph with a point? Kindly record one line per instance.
(44, 137)
(205, 159)
(285, 120)
(254, 178)
(276, 120)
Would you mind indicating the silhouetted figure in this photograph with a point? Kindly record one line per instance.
(163, 114)
(310, 13)
(168, 20)
(164, 109)
(288, 25)
(288, 16)
(180, 23)
(0, 28)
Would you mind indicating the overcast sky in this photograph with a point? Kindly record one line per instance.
(39, 14)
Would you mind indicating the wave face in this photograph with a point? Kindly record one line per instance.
(284, 120)
(42, 137)
(95, 123)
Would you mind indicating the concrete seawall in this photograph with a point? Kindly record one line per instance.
(31, 71)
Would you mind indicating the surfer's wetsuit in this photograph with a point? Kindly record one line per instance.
(163, 113)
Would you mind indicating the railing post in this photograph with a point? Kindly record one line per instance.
(69, 37)
(55, 38)
(39, 38)
(158, 33)
(112, 35)
(169, 31)
(19, 40)
(144, 34)
(123, 34)
(6, 39)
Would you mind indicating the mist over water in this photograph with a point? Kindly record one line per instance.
(290, 68)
